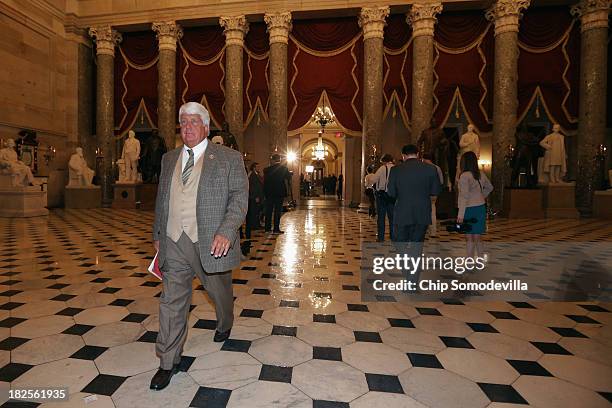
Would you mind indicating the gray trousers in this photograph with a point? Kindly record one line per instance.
(182, 263)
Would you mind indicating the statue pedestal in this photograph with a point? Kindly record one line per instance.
(560, 201)
(148, 195)
(22, 202)
(523, 203)
(127, 195)
(602, 204)
(83, 197)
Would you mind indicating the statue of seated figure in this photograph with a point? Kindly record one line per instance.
(80, 175)
(10, 165)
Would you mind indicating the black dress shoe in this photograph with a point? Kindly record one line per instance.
(221, 336)
(278, 232)
(162, 377)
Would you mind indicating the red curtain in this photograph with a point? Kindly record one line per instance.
(201, 66)
(135, 79)
(325, 55)
(397, 68)
(549, 57)
(325, 34)
(255, 70)
(463, 42)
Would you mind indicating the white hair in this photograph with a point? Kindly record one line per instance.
(194, 108)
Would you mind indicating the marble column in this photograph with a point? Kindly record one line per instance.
(106, 39)
(592, 110)
(279, 26)
(372, 22)
(234, 28)
(505, 14)
(168, 33)
(422, 17)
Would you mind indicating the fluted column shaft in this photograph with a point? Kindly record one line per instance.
(235, 28)
(372, 22)
(422, 17)
(168, 33)
(592, 110)
(279, 26)
(505, 14)
(106, 39)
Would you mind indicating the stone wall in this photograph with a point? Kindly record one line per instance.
(39, 78)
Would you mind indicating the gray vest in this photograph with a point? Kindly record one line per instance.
(182, 212)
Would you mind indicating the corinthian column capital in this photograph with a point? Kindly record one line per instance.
(167, 33)
(279, 26)
(372, 21)
(105, 38)
(234, 28)
(506, 14)
(592, 13)
(422, 18)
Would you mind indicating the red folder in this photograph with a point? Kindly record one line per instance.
(154, 268)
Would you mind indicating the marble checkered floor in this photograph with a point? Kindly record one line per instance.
(78, 310)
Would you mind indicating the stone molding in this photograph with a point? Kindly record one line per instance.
(106, 38)
(592, 13)
(372, 21)
(422, 18)
(167, 33)
(234, 28)
(279, 26)
(506, 15)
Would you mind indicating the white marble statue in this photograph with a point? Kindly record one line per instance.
(553, 164)
(80, 175)
(12, 166)
(469, 142)
(130, 156)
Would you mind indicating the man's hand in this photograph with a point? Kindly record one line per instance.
(220, 246)
(459, 220)
(156, 245)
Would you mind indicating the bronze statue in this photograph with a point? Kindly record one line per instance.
(525, 160)
(154, 149)
(228, 138)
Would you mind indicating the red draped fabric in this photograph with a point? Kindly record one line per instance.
(463, 73)
(549, 44)
(255, 71)
(325, 55)
(201, 65)
(135, 79)
(397, 68)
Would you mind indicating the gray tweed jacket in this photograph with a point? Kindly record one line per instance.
(222, 200)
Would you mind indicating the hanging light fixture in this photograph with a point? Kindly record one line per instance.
(322, 116)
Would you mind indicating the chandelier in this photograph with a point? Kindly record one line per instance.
(319, 151)
(323, 116)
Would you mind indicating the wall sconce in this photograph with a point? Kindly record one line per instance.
(99, 154)
(601, 152)
(484, 164)
(49, 154)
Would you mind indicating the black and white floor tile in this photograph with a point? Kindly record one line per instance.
(78, 310)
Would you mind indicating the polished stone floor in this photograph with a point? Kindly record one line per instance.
(78, 310)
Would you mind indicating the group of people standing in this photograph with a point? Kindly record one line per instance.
(405, 194)
(267, 191)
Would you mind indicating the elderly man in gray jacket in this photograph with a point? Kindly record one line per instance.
(201, 202)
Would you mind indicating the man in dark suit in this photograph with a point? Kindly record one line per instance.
(201, 202)
(412, 183)
(276, 178)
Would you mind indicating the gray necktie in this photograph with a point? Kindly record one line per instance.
(188, 167)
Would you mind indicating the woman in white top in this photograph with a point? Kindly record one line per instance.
(474, 187)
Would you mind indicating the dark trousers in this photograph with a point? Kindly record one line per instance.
(408, 240)
(384, 208)
(273, 204)
(252, 217)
